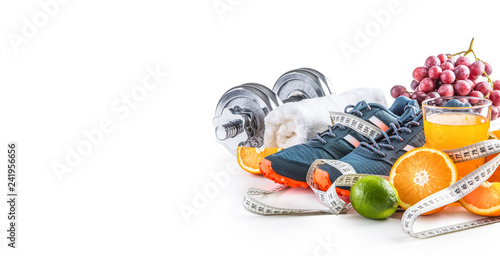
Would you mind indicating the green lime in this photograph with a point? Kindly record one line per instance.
(374, 197)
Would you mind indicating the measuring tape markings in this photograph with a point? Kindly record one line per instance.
(255, 206)
(359, 125)
(474, 151)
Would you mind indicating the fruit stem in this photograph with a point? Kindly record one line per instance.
(458, 53)
(465, 52)
(475, 57)
(470, 48)
(489, 81)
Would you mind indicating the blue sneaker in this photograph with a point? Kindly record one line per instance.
(352, 128)
(379, 155)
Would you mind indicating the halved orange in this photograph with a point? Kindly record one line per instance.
(484, 200)
(249, 158)
(422, 172)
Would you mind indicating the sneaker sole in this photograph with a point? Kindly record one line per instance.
(266, 168)
(322, 179)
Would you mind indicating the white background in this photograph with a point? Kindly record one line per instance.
(124, 195)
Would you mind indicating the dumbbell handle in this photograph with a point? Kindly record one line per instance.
(229, 129)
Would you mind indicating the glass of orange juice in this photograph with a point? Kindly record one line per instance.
(455, 122)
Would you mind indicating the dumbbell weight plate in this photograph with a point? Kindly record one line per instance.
(302, 83)
(252, 103)
(323, 80)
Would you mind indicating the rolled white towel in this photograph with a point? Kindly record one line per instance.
(293, 123)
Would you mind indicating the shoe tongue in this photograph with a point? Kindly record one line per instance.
(400, 103)
(413, 103)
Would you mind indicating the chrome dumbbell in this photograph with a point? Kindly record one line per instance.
(239, 115)
(302, 83)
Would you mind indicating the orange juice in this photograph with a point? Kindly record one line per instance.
(456, 130)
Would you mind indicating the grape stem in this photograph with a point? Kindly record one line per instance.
(476, 59)
(466, 52)
(470, 48)
(458, 53)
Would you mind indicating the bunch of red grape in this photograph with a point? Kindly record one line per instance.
(443, 75)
